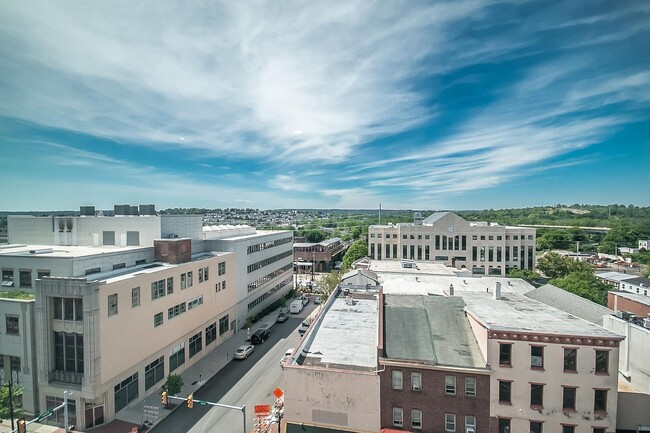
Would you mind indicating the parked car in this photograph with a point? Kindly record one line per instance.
(282, 318)
(305, 299)
(287, 353)
(303, 328)
(244, 351)
(317, 300)
(259, 336)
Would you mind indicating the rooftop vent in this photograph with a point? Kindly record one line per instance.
(87, 211)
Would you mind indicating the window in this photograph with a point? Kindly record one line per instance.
(470, 423)
(599, 430)
(570, 359)
(177, 357)
(450, 385)
(600, 400)
(568, 398)
(170, 285)
(569, 429)
(505, 354)
(398, 417)
(176, 310)
(504, 391)
(69, 352)
(223, 285)
(112, 304)
(25, 278)
(157, 289)
(416, 418)
(210, 334)
(132, 238)
(504, 425)
(157, 320)
(189, 279)
(42, 274)
(7, 278)
(183, 281)
(14, 363)
(397, 379)
(222, 268)
(12, 326)
(470, 386)
(135, 297)
(450, 422)
(535, 427)
(154, 372)
(119, 266)
(536, 394)
(537, 357)
(195, 302)
(602, 361)
(108, 238)
(416, 381)
(196, 344)
(223, 325)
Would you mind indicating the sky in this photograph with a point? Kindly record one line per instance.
(324, 104)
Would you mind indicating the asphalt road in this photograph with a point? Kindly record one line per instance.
(250, 382)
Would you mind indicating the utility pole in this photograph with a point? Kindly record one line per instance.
(65, 411)
(11, 400)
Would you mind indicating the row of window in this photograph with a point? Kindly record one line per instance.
(416, 420)
(25, 277)
(538, 427)
(132, 238)
(268, 277)
(601, 363)
(262, 263)
(474, 237)
(269, 292)
(537, 396)
(397, 383)
(270, 244)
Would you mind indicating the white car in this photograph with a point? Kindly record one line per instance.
(244, 351)
(287, 353)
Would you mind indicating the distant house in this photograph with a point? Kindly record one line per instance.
(613, 278)
(644, 244)
(638, 285)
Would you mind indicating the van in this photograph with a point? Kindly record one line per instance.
(296, 306)
(259, 336)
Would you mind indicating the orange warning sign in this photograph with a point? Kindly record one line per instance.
(278, 393)
(262, 409)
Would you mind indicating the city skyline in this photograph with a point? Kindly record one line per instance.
(454, 105)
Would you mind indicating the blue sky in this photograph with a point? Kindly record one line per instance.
(324, 104)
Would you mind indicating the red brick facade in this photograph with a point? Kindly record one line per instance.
(433, 401)
(624, 304)
(173, 251)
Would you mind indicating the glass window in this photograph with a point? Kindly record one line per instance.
(135, 297)
(600, 400)
(398, 417)
(537, 356)
(602, 361)
(25, 278)
(397, 379)
(112, 304)
(504, 425)
(223, 325)
(470, 423)
(536, 394)
(157, 319)
(12, 326)
(599, 430)
(569, 429)
(504, 391)
(568, 398)
(196, 344)
(170, 285)
(450, 385)
(470, 386)
(416, 418)
(570, 359)
(416, 381)
(505, 354)
(450, 422)
(535, 427)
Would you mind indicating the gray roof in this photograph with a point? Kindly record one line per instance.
(432, 329)
(638, 281)
(363, 275)
(434, 217)
(614, 276)
(570, 303)
(641, 299)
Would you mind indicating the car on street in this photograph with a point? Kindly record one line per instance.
(282, 318)
(259, 336)
(317, 300)
(303, 327)
(305, 299)
(244, 351)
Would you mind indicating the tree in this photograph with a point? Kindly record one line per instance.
(173, 384)
(584, 284)
(16, 392)
(329, 283)
(356, 251)
(524, 274)
(557, 266)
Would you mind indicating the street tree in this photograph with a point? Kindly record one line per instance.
(173, 385)
(584, 284)
(557, 266)
(356, 251)
(16, 391)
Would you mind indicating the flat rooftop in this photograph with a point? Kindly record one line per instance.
(60, 251)
(395, 266)
(443, 335)
(345, 336)
(636, 297)
(258, 233)
(614, 276)
(518, 313)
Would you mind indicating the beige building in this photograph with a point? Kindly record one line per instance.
(114, 338)
(444, 237)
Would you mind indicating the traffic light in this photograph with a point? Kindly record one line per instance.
(190, 401)
(164, 398)
(22, 426)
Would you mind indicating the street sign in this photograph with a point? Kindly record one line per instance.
(262, 409)
(278, 393)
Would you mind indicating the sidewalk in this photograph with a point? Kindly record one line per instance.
(194, 377)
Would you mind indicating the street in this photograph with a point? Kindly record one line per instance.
(247, 382)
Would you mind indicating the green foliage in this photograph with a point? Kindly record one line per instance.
(584, 284)
(312, 235)
(16, 294)
(356, 251)
(16, 391)
(554, 265)
(173, 384)
(329, 283)
(524, 274)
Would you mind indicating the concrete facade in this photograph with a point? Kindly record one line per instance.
(444, 237)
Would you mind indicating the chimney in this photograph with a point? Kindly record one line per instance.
(451, 290)
(497, 292)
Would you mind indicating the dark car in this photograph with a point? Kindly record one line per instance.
(259, 336)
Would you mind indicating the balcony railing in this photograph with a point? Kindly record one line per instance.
(66, 377)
